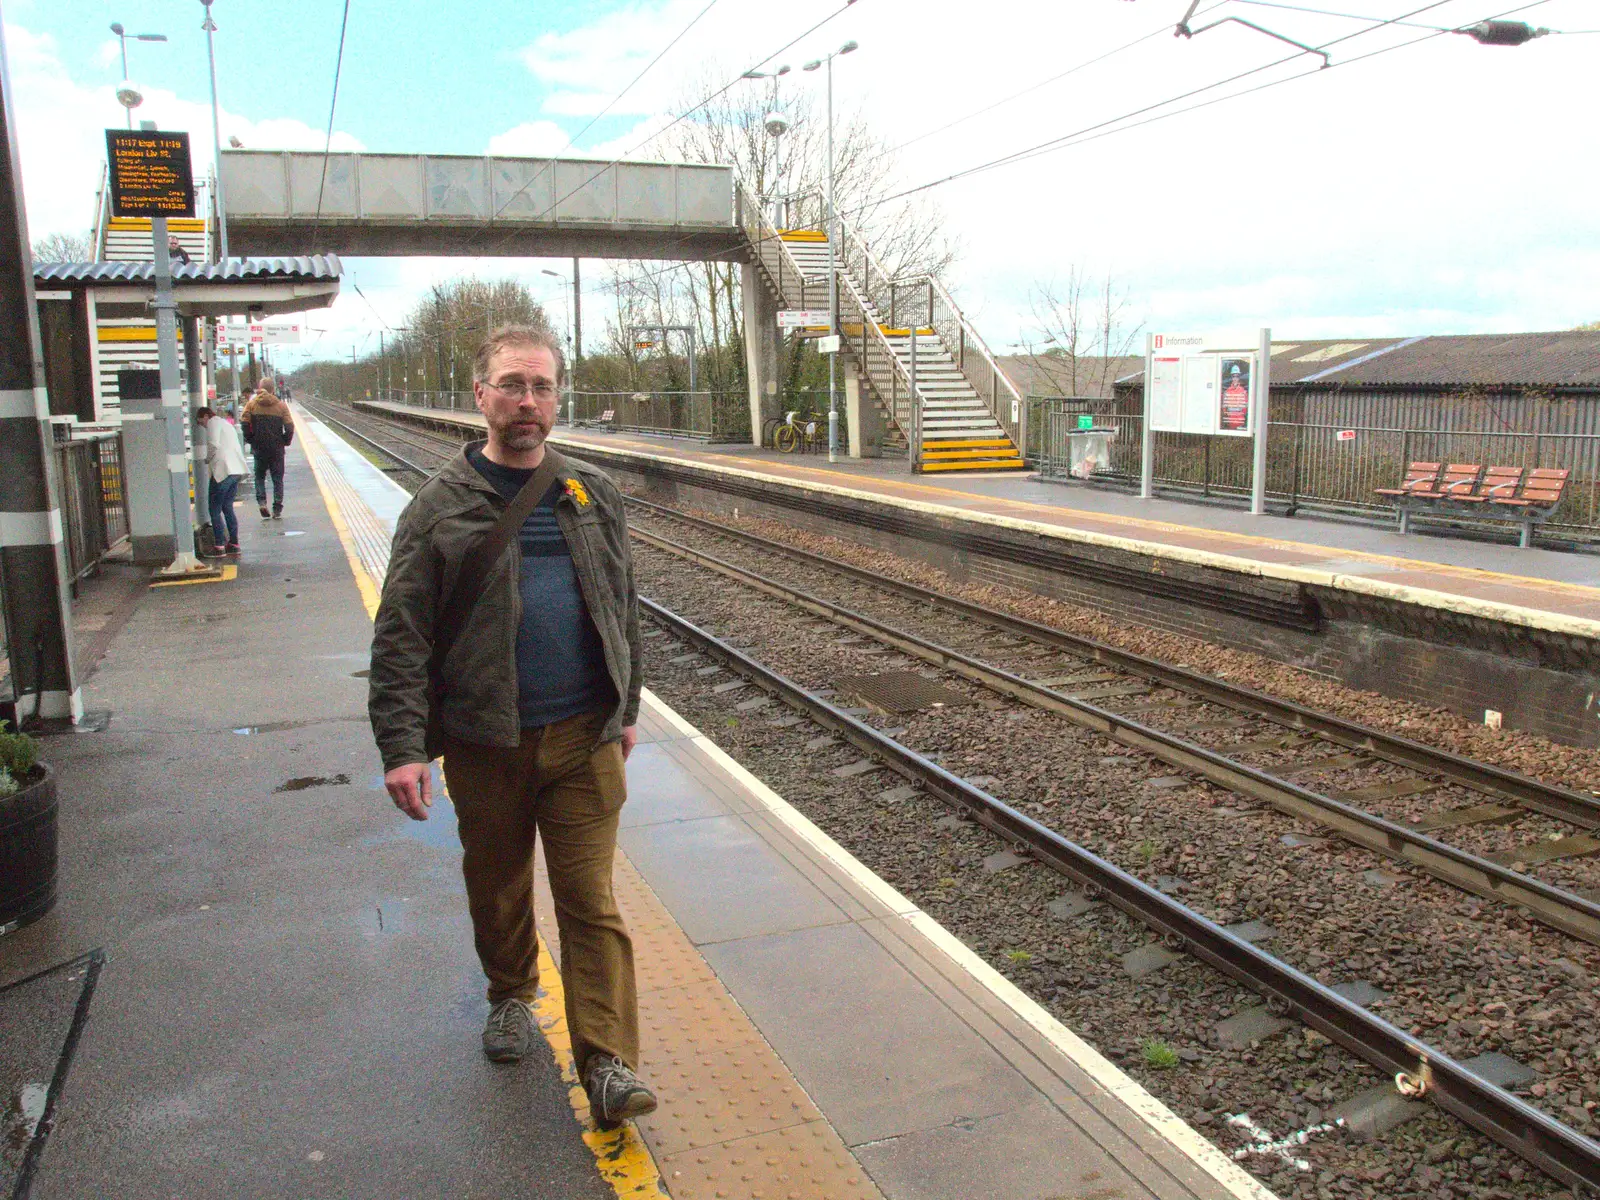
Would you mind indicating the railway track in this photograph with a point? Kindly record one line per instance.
(1173, 717)
(1154, 688)
(1418, 1068)
(1073, 681)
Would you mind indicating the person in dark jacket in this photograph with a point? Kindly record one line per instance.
(269, 428)
(534, 705)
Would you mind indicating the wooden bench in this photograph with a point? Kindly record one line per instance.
(1518, 494)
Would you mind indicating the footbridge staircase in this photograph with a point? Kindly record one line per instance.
(959, 404)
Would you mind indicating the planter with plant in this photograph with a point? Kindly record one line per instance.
(27, 833)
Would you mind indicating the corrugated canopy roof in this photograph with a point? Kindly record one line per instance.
(231, 270)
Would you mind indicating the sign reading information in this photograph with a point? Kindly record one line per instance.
(150, 173)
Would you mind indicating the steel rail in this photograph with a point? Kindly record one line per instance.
(1552, 800)
(1552, 1147)
(425, 472)
(1571, 914)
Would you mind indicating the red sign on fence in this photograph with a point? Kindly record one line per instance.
(1346, 435)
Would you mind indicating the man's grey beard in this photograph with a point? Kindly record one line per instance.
(521, 437)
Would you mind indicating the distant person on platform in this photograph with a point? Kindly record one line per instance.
(225, 457)
(269, 428)
(508, 640)
(176, 254)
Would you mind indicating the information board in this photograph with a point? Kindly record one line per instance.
(150, 173)
(1202, 384)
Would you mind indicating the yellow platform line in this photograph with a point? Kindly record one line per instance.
(229, 573)
(621, 1156)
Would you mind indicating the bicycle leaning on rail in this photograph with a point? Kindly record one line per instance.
(798, 432)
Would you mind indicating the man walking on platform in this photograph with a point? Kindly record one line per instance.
(508, 640)
(269, 428)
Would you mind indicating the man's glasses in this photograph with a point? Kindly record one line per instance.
(516, 391)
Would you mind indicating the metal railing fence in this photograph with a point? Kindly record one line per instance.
(1338, 464)
(721, 416)
(94, 507)
(716, 416)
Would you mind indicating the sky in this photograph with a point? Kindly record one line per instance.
(1441, 187)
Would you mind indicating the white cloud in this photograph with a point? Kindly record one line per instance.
(61, 124)
(532, 139)
(1446, 187)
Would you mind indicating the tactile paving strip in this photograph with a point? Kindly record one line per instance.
(366, 531)
(733, 1122)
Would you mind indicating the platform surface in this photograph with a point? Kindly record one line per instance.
(778, 973)
(291, 1005)
(1472, 576)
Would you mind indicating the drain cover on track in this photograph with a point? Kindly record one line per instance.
(898, 692)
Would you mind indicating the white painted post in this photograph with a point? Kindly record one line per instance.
(1147, 436)
(1258, 468)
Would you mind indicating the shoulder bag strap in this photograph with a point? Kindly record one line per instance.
(480, 560)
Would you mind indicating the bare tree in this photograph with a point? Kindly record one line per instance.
(1086, 329)
(788, 171)
(63, 247)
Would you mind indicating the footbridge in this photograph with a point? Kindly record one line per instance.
(949, 396)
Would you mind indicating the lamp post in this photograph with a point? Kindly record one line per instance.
(833, 274)
(776, 125)
(210, 28)
(122, 37)
(567, 298)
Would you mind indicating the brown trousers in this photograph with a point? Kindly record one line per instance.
(559, 785)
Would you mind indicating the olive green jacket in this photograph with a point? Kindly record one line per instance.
(478, 678)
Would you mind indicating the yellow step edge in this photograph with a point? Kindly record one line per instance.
(174, 224)
(889, 331)
(802, 235)
(965, 443)
(966, 456)
(973, 466)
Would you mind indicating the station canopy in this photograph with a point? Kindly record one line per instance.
(265, 287)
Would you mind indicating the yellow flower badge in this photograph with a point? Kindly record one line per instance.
(576, 490)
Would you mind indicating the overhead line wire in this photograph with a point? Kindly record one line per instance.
(1275, 82)
(1076, 135)
(675, 120)
(682, 33)
(1163, 28)
(333, 104)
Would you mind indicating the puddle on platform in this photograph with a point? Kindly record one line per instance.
(280, 726)
(22, 1115)
(294, 533)
(388, 915)
(310, 781)
(438, 831)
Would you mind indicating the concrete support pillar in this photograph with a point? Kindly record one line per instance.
(861, 411)
(761, 344)
(34, 575)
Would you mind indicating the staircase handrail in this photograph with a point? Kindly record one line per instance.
(759, 230)
(970, 337)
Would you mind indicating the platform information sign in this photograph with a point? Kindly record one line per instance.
(258, 333)
(150, 173)
(1214, 385)
(1203, 384)
(802, 318)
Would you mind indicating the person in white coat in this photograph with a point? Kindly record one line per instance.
(225, 457)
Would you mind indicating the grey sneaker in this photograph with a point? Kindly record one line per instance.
(506, 1035)
(616, 1094)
